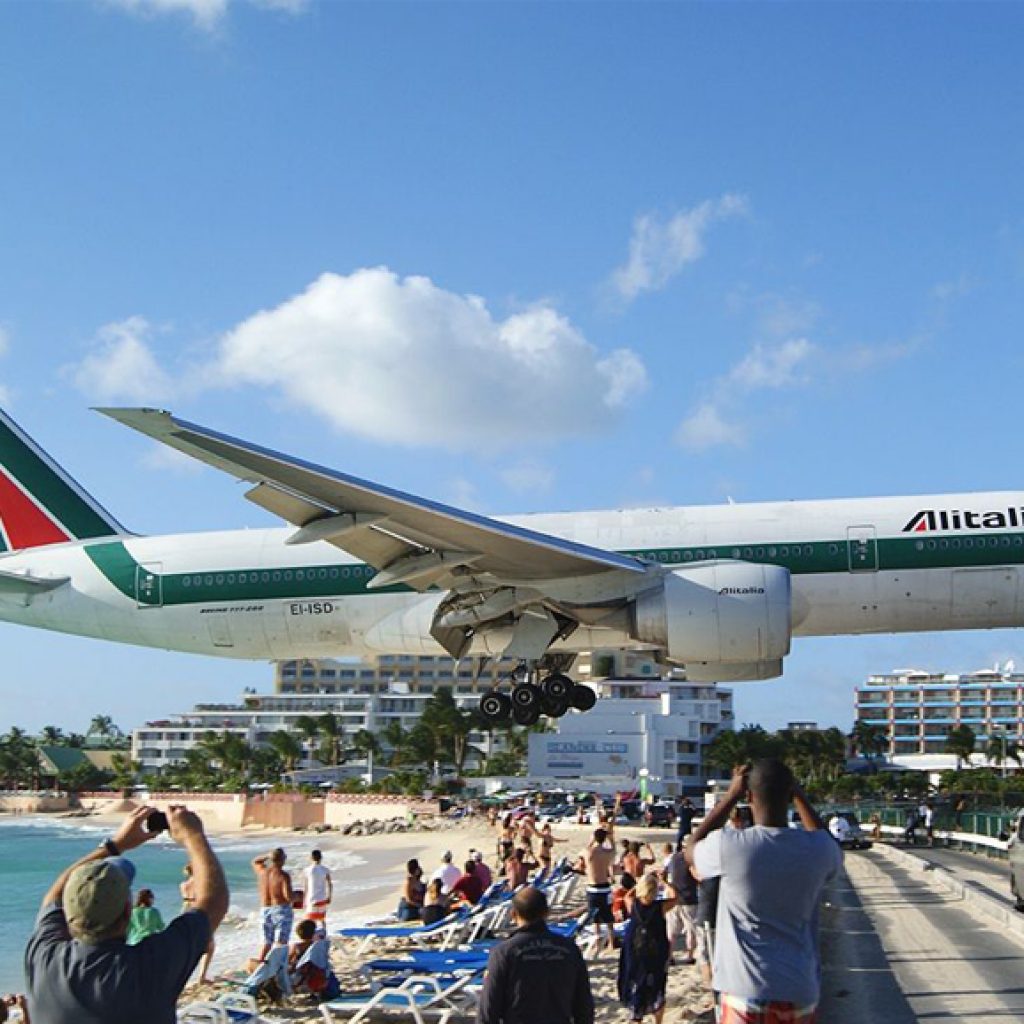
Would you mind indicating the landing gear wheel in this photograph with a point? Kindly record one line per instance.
(557, 686)
(582, 698)
(495, 706)
(553, 708)
(529, 715)
(525, 695)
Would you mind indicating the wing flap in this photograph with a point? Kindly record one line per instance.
(304, 493)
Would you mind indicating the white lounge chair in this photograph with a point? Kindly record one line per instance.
(425, 999)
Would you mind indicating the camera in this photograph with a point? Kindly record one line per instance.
(156, 821)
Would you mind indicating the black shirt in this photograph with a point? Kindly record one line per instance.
(536, 977)
(72, 982)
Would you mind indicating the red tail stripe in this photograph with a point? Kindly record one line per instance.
(26, 525)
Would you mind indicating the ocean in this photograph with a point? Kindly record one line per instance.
(34, 850)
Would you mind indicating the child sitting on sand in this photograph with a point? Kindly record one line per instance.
(309, 963)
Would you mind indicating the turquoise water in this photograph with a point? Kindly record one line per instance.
(34, 850)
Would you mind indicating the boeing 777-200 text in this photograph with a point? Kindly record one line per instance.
(365, 569)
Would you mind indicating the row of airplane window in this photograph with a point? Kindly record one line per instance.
(807, 550)
(705, 554)
(278, 576)
(970, 542)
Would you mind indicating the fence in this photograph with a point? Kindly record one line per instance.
(980, 831)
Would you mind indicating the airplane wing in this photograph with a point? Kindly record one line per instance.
(409, 540)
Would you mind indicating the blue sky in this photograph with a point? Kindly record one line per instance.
(759, 251)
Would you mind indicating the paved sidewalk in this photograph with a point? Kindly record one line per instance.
(899, 949)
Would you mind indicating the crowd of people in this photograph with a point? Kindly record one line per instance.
(737, 897)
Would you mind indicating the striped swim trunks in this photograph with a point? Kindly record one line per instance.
(736, 1010)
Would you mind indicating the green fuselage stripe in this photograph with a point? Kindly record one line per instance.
(334, 580)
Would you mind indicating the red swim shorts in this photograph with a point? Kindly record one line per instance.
(736, 1010)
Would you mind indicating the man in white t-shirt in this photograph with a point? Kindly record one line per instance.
(840, 828)
(766, 963)
(319, 888)
(447, 872)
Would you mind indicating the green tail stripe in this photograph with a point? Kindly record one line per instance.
(48, 489)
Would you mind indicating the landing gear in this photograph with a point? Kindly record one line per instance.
(495, 706)
(525, 695)
(531, 697)
(526, 715)
(582, 697)
(552, 707)
(557, 686)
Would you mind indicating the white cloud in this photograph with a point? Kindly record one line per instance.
(161, 458)
(658, 250)
(706, 428)
(401, 360)
(206, 15)
(716, 421)
(528, 477)
(463, 493)
(121, 367)
(764, 368)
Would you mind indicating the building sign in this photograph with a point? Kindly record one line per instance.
(567, 758)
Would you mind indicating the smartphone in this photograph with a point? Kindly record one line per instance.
(156, 821)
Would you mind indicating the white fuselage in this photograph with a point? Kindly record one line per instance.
(858, 566)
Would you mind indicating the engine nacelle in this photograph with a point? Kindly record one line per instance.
(735, 672)
(719, 613)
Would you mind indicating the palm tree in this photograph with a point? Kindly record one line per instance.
(333, 731)
(960, 740)
(869, 740)
(19, 760)
(999, 747)
(104, 727)
(364, 742)
(287, 746)
(51, 735)
(396, 737)
(309, 727)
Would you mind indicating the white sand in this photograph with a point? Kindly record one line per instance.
(386, 855)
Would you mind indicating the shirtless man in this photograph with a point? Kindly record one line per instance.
(275, 899)
(598, 861)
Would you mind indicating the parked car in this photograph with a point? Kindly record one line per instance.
(854, 837)
(659, 815)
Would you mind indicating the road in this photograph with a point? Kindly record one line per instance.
(900, 950)
(989, 874)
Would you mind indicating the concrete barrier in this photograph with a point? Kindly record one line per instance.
(34, 803)
(977, 901)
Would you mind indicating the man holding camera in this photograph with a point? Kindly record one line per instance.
(78, 967)
(766, 964)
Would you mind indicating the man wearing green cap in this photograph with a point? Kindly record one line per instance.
(78, 967)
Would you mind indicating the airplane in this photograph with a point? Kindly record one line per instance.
(364, 569)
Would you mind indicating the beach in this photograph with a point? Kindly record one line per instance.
(367, 870)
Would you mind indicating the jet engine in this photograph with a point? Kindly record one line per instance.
(729, 618)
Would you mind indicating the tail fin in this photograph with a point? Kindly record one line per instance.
(39, 503)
